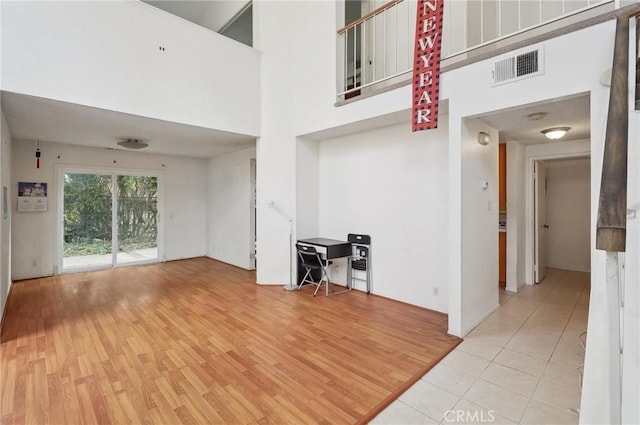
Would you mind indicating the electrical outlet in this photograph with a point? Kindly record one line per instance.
(436, 291)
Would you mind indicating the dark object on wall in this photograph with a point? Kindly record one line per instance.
(38, 155)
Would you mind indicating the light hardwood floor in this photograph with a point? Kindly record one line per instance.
(196, 341)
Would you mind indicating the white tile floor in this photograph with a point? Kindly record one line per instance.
(520, 365)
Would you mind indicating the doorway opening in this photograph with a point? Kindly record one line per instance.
(561, 215)
(521, 136)
(108, 219)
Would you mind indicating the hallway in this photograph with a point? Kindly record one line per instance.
(520, 365)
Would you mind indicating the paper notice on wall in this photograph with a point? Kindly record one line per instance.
(32, 197)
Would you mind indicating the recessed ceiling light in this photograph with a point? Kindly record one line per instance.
(133, 144)
(535, 116)
(555, 132)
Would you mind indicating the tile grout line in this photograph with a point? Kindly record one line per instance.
(416, 410)
(552, 290)
(552, 352)
(494, 357)
(540, 302)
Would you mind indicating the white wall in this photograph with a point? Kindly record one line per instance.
(276, 147)
(631, 342)
(297, 99)
(106, 55)
(183, 201)
(568, 214)
(471, 93)
(5, 223)
(516, 217)
(307, 189)
(479, 222)
(229, 214)
(388, 183)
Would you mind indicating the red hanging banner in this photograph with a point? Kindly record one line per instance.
(426, 64)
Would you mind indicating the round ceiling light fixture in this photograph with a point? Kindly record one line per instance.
(133, 144)
(555, 133)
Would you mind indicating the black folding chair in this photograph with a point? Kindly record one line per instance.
(360, 259)
(312, 261)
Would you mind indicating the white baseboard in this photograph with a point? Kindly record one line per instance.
(482, 319)
(569, 268)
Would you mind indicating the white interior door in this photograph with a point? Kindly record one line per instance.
(540, 225)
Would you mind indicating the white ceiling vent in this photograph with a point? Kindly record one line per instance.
(522, 65)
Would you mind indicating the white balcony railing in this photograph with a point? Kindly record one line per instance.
(376, 50)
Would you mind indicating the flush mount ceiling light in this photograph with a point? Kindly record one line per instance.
(133, 144)
(483, 138)
(555, 132)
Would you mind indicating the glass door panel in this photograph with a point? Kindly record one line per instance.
(87, 211)
(137, 219)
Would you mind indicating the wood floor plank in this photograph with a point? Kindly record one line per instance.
(197, 341)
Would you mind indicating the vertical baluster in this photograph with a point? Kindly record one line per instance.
(519, 15)
(346, 60)
(364, 62)
(481, 21)
(499, 19)
(411, 35)
(373, 51)
(395, 70)
(384, 44)
(539, 11)
(355, 54)
(466, 25)
(448, 16)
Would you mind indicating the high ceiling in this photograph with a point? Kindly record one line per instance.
(208, 13)
(190, 10)
(32, 118)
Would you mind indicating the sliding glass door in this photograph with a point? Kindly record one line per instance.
(108, 220)
(88, 226)
(137, 219)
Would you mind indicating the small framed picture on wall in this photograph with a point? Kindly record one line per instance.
(32, 197)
